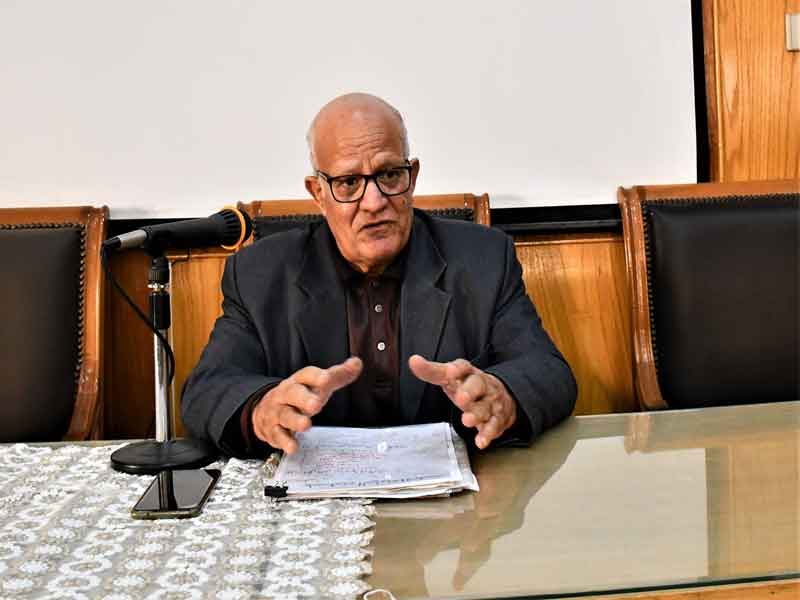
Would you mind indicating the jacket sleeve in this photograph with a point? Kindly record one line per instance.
(231, 370)
(525, 359)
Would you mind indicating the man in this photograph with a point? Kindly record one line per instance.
(380, 316)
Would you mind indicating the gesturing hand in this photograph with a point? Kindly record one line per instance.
(482, 397)
(289, 406)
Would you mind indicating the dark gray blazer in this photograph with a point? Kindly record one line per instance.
(462, 297)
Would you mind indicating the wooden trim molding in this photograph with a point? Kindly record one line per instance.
(645, 381)
(713, 95)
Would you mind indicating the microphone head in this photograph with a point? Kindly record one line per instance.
(231, 230)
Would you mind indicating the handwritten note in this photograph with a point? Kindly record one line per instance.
(415, 460)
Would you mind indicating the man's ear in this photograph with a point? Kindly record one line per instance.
(315, 189)
(414, 173)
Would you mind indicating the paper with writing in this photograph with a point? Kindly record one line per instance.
(392, 462)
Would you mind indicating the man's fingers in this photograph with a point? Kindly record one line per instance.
(428, 370)
(476, 414)
(303, 399)
(480, 411)
(327, 381)
(281, 438)
(459, 369)
(343, 374)
(470, 420)
(488, 432)
(309, 388)
(473, 391)
(474, 387)
(305, 395)
(293, 420)
(447, 375)
(310, 376)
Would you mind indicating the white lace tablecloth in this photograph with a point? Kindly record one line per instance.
(66, 532)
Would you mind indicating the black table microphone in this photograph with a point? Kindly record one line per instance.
(227, 228)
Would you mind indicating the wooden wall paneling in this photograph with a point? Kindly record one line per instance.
(195, 299)
(753, 90)
(129, 374)
(578, 284)
(196, 303)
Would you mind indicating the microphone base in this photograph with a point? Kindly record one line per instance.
(150, 457)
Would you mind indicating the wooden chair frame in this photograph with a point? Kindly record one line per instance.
(87, 414)
(645, 378)
(277, 208)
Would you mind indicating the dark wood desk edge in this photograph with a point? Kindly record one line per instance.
(775, 587)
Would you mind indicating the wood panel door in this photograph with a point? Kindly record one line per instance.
(753, 90)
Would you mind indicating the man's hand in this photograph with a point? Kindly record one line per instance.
(482, 397)
(289, 406)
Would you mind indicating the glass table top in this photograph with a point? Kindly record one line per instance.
(614, 503)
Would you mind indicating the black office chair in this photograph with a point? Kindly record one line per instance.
(713, 272)
(273, 216)
(52, 307)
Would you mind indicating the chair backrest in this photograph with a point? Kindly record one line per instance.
(272, 216)
(713, 270)
(52, 307)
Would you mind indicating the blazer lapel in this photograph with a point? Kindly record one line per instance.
(322, 320)
(423, 312)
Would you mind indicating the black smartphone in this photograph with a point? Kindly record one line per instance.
(177, 494)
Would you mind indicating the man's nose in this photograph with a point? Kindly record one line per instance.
(373, 199)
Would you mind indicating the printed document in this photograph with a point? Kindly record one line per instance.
(392, 462)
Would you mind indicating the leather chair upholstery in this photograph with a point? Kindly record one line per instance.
(50, 344)
(274, 216)
(716, 307)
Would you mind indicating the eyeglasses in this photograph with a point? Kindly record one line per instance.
(350, 188)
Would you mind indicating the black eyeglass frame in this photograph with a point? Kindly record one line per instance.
(367, 178)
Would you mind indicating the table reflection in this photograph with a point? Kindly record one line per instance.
(609, 503)
(468, 523)
(753, 481)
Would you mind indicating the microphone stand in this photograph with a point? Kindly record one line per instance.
(152, 456)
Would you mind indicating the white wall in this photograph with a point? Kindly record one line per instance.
(163, 108)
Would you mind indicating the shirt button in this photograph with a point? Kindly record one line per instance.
(379, 308)
(381, 346)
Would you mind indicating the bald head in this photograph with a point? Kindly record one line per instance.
(336, 119)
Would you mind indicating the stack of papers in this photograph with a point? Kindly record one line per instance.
(413, 461)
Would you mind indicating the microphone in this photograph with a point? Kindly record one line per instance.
(227, 228)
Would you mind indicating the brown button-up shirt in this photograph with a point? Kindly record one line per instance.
(373, 330)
